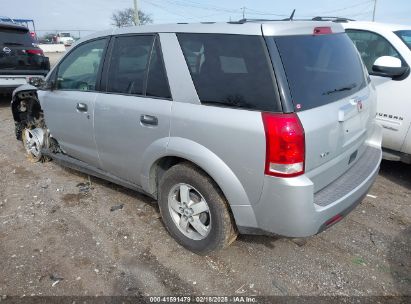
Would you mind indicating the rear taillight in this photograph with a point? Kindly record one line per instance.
(285, 145)
(35, 52)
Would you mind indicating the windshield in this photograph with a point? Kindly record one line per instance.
(10, 37)
(65, 35)
(405, 36)
(320, 69)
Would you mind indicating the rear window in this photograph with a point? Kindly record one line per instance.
(320, 69)
(230, 70)
(10, 37)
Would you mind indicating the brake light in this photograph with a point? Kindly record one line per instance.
(322, 30)
(35, 52)
(285, 145)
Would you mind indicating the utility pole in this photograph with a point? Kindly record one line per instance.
(136, 18)
(375, 8)
(243, 8)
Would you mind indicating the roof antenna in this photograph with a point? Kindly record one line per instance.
(292, 15)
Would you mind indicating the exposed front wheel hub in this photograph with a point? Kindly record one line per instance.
(33, 141)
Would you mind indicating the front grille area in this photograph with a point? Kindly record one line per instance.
(351, 179)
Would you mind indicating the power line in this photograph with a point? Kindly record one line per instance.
(345, 8)
(167, 10)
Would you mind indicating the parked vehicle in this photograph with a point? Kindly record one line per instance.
(21, 60)
(386, 52)
(64, 38)
(249, 127)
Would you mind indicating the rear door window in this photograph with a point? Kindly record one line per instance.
(136, 67)
(231, 70)
(320, 69)
(128, 64)
(157, 82)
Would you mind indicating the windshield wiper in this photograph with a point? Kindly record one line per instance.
(346, 88)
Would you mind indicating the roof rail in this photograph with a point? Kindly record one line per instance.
(333, 19)
(241, 21)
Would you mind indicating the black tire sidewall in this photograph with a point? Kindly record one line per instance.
(220, 218)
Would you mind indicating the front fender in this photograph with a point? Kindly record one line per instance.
(211, 164)
(23, 87)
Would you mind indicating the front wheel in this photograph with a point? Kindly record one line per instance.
(194, 210)
(33, 141)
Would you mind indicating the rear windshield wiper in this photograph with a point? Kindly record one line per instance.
(346, 88)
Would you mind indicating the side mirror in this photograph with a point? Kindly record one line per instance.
(388, 66)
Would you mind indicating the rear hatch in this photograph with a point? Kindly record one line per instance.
(331, 96)
(19, 55)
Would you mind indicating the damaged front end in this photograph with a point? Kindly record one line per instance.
(30, 126)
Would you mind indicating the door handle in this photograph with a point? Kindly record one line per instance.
(149, 120)
(82, 107)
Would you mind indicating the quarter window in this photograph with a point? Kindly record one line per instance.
(371, 46)
(231, 70)
(80, 68)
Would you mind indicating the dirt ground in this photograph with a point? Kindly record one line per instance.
(58, 236)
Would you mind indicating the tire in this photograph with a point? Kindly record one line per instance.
(216, 217)
(31, 156)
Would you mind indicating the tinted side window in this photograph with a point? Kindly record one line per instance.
(371, 46)
(231, 70)
(128, 64)
(80, 68)
(157, 83)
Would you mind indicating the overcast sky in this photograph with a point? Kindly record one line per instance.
(52, 15)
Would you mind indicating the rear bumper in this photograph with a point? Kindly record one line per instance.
(289, 207)
(11, 82)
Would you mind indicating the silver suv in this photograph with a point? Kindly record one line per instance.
(248, 127)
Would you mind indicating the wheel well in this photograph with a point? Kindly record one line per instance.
(26, 111)
(163, 164)
(159, 168)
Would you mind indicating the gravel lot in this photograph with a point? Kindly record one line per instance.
(59, 237)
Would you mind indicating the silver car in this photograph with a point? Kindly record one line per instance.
(246, 127)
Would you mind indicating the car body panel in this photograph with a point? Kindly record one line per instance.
(71, 128)
(333, 145)
(121, 137)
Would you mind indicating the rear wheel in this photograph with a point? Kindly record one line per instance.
(194, 210)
